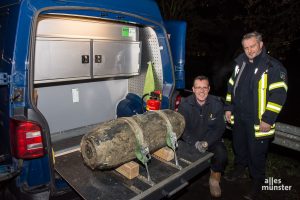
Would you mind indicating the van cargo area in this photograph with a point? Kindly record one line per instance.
(166, 177)
(83, 68)
(82, 72)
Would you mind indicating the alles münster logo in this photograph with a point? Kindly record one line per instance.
(275, 184)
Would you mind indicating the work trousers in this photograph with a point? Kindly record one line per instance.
(219, 160)
(248, 150)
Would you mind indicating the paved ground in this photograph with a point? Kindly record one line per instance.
(199, 189)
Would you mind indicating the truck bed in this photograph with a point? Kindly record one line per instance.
(166, 177)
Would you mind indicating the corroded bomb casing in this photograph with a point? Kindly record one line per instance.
(114, 142)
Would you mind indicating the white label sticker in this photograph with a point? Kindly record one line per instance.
(75, 95)
(131, 32)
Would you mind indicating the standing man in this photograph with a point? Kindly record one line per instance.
(204, 117)
(256, 93)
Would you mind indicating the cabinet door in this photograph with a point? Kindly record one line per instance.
(62, 60)
(116, 58)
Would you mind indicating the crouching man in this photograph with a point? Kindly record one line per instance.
(204, 116)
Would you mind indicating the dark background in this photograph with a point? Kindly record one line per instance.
(214, 32)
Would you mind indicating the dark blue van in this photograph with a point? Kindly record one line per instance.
(65, 67)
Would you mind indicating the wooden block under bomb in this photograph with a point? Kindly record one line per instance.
(165, 153)
(130, 170)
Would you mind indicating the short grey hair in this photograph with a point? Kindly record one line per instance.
(255, 34)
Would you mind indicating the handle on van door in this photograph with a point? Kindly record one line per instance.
(98, 58)
(85, 59)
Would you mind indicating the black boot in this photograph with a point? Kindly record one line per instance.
(238, 172)
(255, 190)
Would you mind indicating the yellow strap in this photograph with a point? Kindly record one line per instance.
(53, 156)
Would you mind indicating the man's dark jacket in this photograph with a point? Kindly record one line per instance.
(203, 123)
(267, 100)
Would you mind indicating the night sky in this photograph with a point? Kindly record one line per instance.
(215, 29)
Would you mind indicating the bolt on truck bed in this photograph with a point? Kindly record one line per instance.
(166, 177)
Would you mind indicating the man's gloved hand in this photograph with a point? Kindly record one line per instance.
(201, 146)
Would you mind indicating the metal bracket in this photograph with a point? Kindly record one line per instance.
(171, 136)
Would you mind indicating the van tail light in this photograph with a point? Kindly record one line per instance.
(177, 102)
(26, 139)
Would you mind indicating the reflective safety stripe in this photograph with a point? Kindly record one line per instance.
(264, 134)
(236, 70)
(278, 85)
(262, 92)
(228, 97)
(274, 107)
(232, 119)
(231, 82)
(259, 134)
